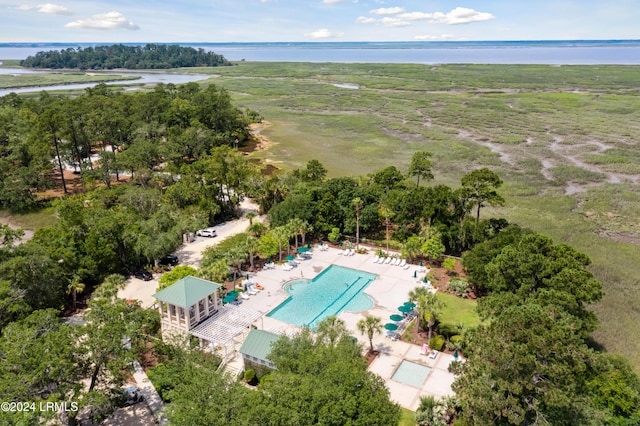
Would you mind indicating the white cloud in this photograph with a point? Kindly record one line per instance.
(387, 11)
(416, 16)
(433, 37)
(365, 20)
(105, 21)
(394, 22)
(334, 1)
(459, 15)
(323, 33)
(54, 9)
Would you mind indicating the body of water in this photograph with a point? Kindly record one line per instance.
(334, 290)
(479, 52)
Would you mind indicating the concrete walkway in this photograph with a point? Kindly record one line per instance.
(389, 291)
(151, 396)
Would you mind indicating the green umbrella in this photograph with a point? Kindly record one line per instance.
(230, 297)
(410, 304)
(390, 326)
(303, 249)
(404, 309)
(425, 280)
(415, 274)
(396, 317)
(290, 257)
(421, 263)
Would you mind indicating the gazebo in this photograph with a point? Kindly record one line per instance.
(186, 303)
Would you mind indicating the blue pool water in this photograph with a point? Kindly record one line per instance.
(411, 373)
(334, 290)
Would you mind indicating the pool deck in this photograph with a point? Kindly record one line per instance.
(389, 291)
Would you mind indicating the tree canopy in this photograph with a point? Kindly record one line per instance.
(149, 56)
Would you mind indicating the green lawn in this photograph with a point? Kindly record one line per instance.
(39, 219)
(457, 311)
(407, 418)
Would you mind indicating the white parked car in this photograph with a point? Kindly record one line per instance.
(208, 232)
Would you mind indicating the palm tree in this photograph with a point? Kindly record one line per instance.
(282, 235)
(110, 286)
(235, 257)
(370, 325)
(357, 203)
(412, 247)
(75, 287)
(251, 215)
(430, 307)
(216, 272)
(414, 296)
(251, 245)
(298, 227)
(257, 229)
(331, 329)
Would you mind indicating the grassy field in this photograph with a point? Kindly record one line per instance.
(457, 311)
(26, 80)
(563, 138)
(407, 418)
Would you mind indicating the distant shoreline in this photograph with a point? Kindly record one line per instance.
(549, 52)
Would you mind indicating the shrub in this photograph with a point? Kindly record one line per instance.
(436, 342)
(449, 264)
(334, 235)
(458, 287)
(249, 375)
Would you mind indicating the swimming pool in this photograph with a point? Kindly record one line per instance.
(411, 373)
(334, 290)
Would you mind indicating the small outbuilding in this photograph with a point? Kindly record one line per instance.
(256, 348)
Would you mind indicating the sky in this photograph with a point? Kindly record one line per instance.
(316, 20)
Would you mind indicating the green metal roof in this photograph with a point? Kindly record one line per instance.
(258, 344)
(187, 292)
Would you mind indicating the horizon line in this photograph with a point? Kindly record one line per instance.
(324, 41)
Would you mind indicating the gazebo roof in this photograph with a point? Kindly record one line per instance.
(229, 322)
(258, 344)
(187, 292)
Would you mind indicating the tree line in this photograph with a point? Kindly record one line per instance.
(149, 56)
(106, 136)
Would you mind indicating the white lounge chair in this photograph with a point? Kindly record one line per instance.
(396, 261)
(351, 252)
(387, 260)
(287, 267)
(407, 266)
(375, 259)
(403, 263)
(252, 291)
(244, 295)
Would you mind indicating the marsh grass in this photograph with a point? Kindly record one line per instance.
(564, 117)
(26, 80)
